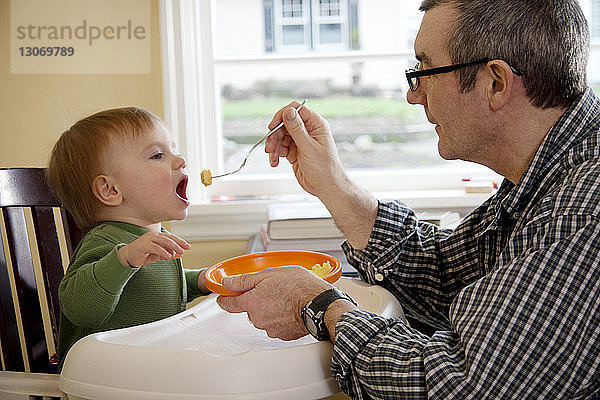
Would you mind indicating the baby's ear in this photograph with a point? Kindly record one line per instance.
(106, 190)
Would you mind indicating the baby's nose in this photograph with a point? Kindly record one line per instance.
(179, 162)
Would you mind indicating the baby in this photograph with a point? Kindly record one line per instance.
(118, 174)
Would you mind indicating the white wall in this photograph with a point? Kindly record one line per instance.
(239, 30)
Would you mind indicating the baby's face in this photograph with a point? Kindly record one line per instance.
(150, 176)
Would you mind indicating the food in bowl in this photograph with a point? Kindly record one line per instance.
(322, 270)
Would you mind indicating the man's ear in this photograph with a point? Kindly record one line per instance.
(107, 191)
(501, 80)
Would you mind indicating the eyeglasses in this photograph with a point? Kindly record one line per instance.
(413, 74)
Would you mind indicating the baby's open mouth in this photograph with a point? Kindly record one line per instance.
(181, 188)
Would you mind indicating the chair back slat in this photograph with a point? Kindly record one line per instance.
(50, 260)
(9, 330)
(26, 290)
(22, 334)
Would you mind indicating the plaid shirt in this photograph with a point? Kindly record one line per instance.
(514, 290)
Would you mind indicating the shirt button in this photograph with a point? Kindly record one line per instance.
(378, 277)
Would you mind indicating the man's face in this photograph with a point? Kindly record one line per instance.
(456, 116)
(151, 177)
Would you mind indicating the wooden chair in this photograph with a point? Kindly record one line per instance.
(34, 228)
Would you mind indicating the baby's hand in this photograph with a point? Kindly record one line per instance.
(152, 247)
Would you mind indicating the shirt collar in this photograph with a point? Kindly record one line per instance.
(568, 130)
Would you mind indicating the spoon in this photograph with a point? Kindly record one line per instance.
(206, 176)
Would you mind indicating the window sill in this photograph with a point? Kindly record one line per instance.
(238, 220)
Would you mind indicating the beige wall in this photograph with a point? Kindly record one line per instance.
(205, 254)
(36, 108)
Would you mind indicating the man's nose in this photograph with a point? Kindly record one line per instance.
(416, 97)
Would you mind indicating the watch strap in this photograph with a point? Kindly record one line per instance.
(313, 314)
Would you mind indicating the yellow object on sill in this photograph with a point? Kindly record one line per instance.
(480, 186)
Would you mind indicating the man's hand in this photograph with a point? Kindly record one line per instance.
(306, 141)
(152, 247)
(273, 298)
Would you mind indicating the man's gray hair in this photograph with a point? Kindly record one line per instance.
(548, 40)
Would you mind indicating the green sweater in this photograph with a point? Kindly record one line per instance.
(98, 293)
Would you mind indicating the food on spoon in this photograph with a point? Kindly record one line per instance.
(206, 177)
(322, 270)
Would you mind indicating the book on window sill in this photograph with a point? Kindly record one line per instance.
(306, 220)
(328, 244)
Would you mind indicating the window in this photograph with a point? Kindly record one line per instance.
(293, 19)
(223, 87)
(330, 22)
(305, 25)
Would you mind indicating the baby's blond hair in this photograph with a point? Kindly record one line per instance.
(77, 157)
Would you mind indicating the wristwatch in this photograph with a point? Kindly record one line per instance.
(313, 314)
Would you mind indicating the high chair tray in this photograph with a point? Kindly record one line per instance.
(207, 353)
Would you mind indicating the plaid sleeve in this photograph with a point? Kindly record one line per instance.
(376, 357)
(423, 266)
(525, 330)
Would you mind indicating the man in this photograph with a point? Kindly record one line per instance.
(514, 290)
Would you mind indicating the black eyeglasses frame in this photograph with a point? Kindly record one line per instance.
(415, 73)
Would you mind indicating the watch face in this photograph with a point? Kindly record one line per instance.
(310, 325)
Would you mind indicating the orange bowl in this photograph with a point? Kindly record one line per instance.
(258, 261)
